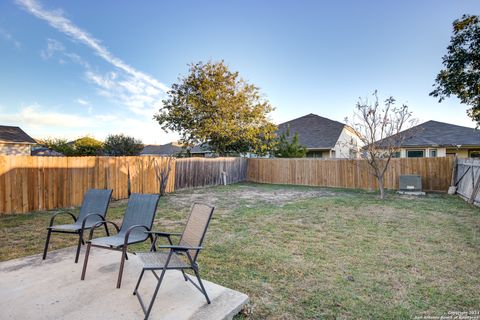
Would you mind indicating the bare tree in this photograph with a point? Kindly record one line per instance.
(163, 172)
(380, 130)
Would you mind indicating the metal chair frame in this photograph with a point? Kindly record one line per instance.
(51, 229)
(178, 250)
(122, 248)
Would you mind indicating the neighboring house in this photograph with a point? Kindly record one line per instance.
(45, 152)
(324, 138)
(202, 151)
(440, 139)
(14, 141)
(169, 149)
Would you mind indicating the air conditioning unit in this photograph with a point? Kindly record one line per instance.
(411, 184)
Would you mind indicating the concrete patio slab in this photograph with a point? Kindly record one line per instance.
(34, 289)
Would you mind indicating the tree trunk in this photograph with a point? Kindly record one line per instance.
(381, 187)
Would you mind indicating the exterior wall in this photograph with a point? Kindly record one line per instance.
(348, 145)
(12, 149)
(461, 153)
(427, 152)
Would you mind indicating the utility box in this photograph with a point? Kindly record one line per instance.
(411, 184)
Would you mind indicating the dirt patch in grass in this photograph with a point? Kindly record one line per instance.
(250, 195)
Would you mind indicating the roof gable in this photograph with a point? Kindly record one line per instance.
(314, 132)
(10, 134)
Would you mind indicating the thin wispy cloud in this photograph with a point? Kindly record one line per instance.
(82, 102)
(9, 38)
(85, 104)
(140, 92)
(57, 20)
(53, 46)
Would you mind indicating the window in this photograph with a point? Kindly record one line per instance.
(396, 154)
(415, 153)
(314, 154)
(474, 154)
(433, 153)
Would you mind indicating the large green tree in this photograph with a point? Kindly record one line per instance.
(122, 145)
(86, 146)
(289, 147)
(461, 73)
(60, 145)
(213, 105)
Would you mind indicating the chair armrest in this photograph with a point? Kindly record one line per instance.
(91, 215)
(99, 224)
(164, 234)
(61, 212)
(129, 230)
(180, 248)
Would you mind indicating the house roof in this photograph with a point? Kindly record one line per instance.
(46, 152)
(10, 134)
(164, 149)
(314, 132)
(440, 134)
(201, 149)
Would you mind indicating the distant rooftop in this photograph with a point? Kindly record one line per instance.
(10, 134)
(168, 149)
(314, 132)
(441, 134)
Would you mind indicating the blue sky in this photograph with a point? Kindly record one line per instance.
(70, 68)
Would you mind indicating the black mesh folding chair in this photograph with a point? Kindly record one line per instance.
(138, 219)
(94, 208)
(177, 257)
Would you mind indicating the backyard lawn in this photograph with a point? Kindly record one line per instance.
(307, 253)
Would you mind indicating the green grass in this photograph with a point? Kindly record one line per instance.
(309, 253)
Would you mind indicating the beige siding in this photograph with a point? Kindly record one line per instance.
(347, 146)
(12, 149)
(461, 153)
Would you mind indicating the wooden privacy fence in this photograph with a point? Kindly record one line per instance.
(42, 183)
(467, 179)
(200, 172)
(435, 172)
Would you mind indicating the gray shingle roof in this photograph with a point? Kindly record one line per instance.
(164, 149)
(441, 134)
(46, 152)
(314, 132)
(10, 134)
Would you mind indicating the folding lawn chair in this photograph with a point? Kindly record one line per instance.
(138, 218)
(177, 257)
(94, 208)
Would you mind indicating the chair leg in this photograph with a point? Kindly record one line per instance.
(47, 241)
(80, 240)
(106, 230)
(201, 284)
(85, 261)
(122, 264)
(184, 275)
(156, 291)
(138, 282)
